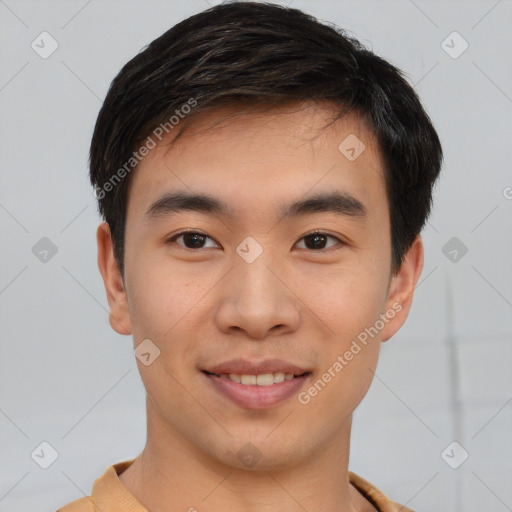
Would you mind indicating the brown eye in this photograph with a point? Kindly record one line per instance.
(319, 241)
(191, 240)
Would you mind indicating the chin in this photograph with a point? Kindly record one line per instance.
(261, 453)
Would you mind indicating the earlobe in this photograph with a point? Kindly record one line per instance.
(401, 290)
(119, 316)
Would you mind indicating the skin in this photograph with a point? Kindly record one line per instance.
(207, 305)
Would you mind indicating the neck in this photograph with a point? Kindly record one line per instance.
(171, 475)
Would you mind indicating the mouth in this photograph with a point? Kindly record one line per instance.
(262, 379)
(256, 386)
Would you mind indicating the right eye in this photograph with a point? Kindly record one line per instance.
(191, 239)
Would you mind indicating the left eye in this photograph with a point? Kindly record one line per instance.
(318, 241)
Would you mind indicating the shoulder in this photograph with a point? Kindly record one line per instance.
(81, 505)
(400, 508)
(107, 491)
(375, 496)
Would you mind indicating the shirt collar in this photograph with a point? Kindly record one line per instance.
(109, 494)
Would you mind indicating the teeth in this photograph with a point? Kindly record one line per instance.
(264, 379)
(248, 379)
(279, 377)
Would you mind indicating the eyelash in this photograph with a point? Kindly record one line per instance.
(313, 233)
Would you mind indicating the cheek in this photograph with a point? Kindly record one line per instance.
(350, 349)
(346, 300)
(162, 299)
(163, 309)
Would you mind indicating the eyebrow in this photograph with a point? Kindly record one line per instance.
(339, 203)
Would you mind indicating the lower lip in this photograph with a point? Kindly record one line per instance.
(256, 397)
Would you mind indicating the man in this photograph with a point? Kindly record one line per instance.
(264, 180)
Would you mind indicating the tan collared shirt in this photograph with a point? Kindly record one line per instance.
(109, 494)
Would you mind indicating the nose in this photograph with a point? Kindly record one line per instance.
(257, 301)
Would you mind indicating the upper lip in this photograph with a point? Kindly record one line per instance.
(245, 367)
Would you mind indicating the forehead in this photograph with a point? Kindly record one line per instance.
(261, 157)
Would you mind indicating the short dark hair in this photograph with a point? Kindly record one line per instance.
(260, 53)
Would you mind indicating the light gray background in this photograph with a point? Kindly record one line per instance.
(68, 379)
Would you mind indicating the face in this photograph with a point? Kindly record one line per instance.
(278, 272)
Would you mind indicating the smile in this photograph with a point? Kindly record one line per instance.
(260, 391)
(263, 379)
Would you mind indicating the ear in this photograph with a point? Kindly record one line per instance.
(401, 289)
(119, 316)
